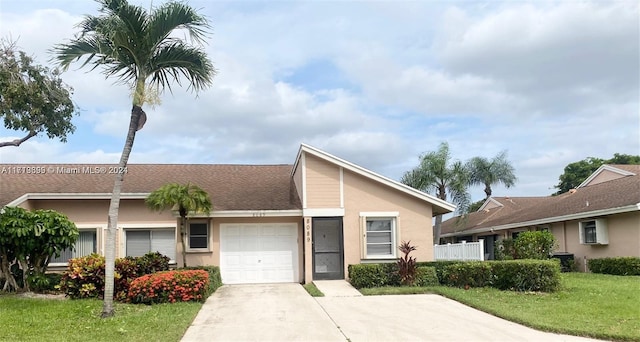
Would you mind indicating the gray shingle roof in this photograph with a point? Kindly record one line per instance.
(617, 193)
(231, 187)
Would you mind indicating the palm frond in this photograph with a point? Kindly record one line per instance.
(172, 16)
(177, 60)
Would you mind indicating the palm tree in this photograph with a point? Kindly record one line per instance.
(489, 172)
(138, 48)
(185, 198)
(438, 175)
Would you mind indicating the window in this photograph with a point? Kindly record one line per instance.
(85, 245)
(594, 232)
(142, 241)
(589, 231)
(198, 235)
(380, 235)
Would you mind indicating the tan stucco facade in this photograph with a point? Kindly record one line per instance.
(358, 195)
(623, 232)
(327, 188)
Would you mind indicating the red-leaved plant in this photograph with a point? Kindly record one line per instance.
(407, 267)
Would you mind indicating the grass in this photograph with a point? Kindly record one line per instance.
(33, 319)
(594, 305)
(313, 290)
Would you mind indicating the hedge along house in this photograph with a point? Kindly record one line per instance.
(269, 223)
(600, 218)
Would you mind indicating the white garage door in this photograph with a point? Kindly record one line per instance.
(259, 253)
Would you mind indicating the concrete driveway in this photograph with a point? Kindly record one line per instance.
(285, 312)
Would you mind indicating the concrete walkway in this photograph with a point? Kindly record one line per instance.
(336, 288)
(286, 312)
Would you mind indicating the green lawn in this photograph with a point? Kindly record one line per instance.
(595, 305)
(31, 319)
(313, 290)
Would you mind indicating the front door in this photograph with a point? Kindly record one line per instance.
(328, 253)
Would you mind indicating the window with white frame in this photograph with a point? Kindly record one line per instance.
(198, 236)
(380, 235)
(142, 241)
(594, 232)
(85, 245)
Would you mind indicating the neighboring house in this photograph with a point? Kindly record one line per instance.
(600, 218)
(269, 223)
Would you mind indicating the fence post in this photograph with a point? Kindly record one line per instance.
(481, 249)
(464, 250)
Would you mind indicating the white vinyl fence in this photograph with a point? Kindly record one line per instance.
(460, 251)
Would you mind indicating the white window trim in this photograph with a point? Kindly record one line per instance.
(602, 234)
(122, 235)
(188, 237)
(395, 236)
(85, 227)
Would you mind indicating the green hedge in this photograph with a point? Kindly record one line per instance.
(215, 279)
(426, 276)
(439, 266)
(464, 274)
(374, 275)
(516, 275)
(526, 275)
(625, 266)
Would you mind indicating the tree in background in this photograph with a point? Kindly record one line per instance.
(183, 198)
(33, 98)
(575, 173)
(498, 170)
(139, 48)
(437, 174)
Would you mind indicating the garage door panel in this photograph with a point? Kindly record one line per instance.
(258, 253)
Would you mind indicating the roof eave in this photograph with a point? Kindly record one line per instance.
(576, 216)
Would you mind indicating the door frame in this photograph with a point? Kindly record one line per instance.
(323, 276)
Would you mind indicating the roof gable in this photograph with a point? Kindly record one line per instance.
(606, 173)
(439, 206)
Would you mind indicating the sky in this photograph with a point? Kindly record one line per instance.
(374, 82)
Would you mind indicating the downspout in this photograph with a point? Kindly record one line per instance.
(564, 236)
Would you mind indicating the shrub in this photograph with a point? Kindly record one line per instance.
(468, 274)
(43, 283)
(505, 249)
(526, 275)
(152, 262)
(406, 264)
(373, 275)
(84, 277)
(215, 279)
(439, 266)
(426, 276)
(535, 245)
(625, 266)
(170, 287)
(126, 270)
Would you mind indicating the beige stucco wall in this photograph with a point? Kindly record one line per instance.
(364, 195)
(297, 179)
(605, 176)
(624, 238)
(86, 214)
(322, 183)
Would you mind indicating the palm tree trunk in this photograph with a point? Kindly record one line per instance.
(487, 190)
(437, 230)
(183, 237)
(114, 206)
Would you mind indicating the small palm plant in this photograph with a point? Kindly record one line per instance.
(407, 267)
(183, 198)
